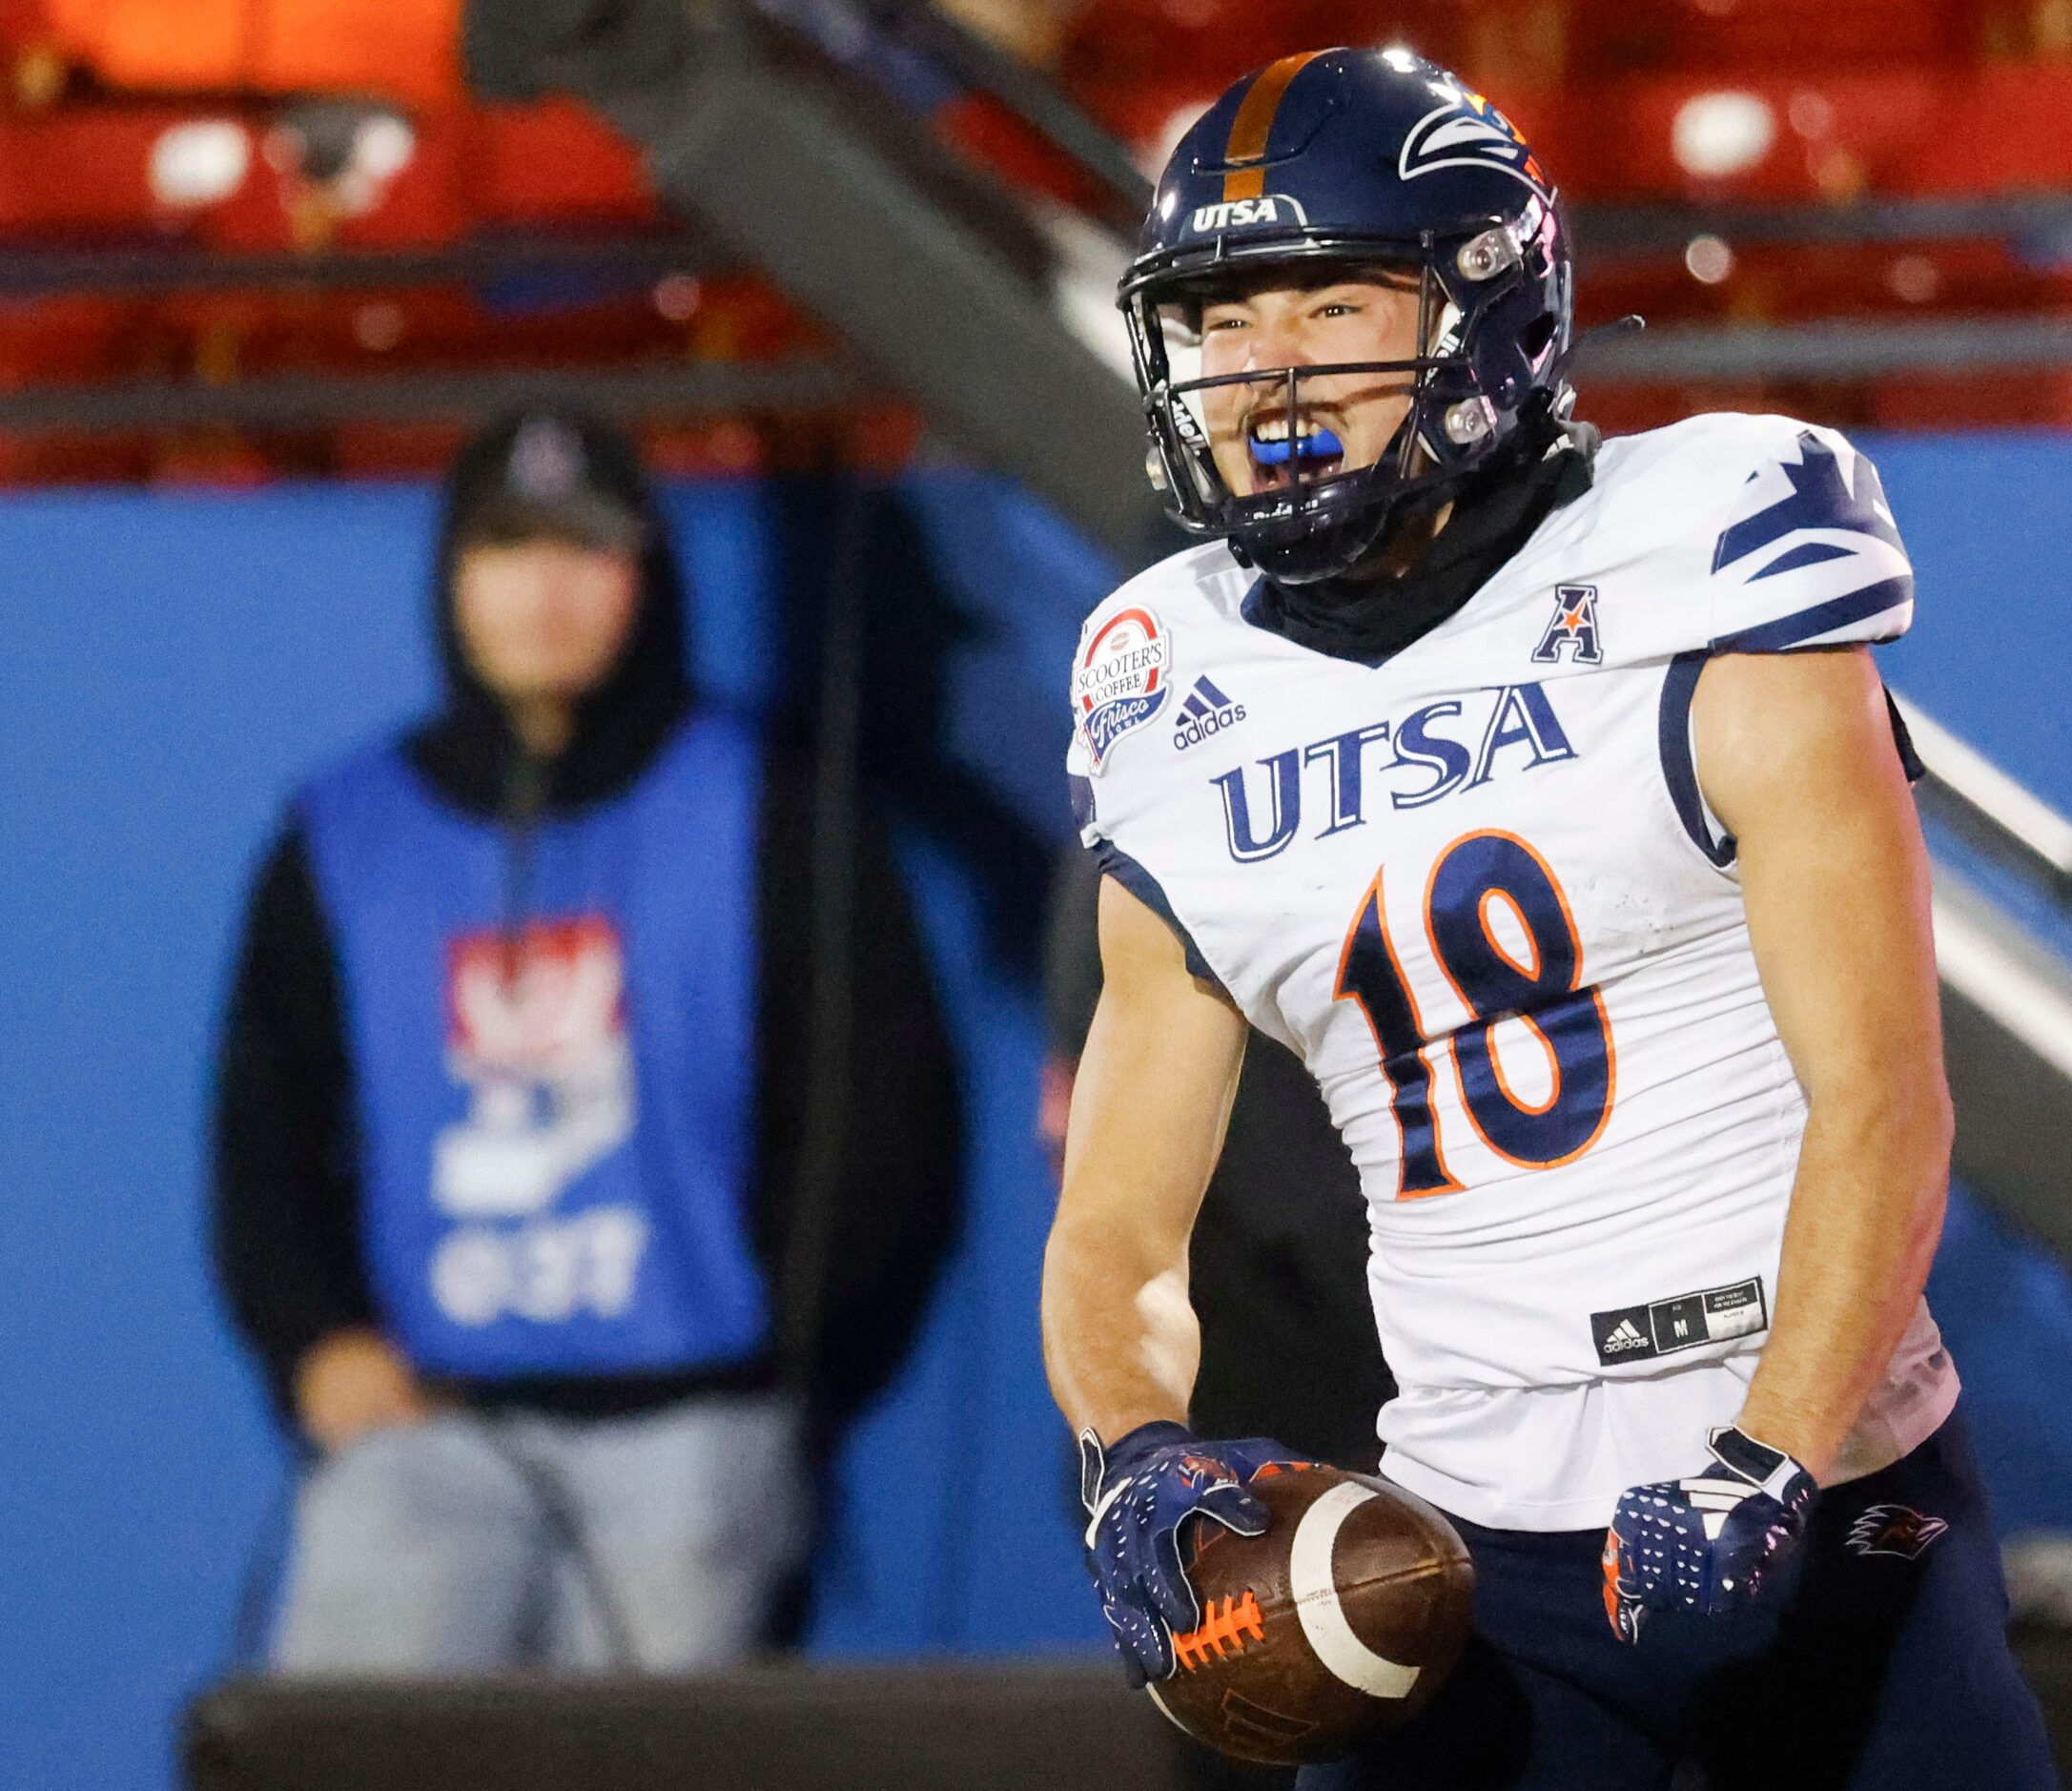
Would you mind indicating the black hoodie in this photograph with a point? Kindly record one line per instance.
(286, 1188)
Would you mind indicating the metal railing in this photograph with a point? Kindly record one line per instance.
(2006, 995)
(1998, 815)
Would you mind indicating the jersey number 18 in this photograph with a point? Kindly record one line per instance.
(1542, 992)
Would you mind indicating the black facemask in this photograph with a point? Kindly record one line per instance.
(1495, 514)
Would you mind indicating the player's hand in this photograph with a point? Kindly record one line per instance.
(1139, 1495)
(353, 1382)
(1713, 1542)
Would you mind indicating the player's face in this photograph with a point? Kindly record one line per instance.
(544, 619)
(1257, 444)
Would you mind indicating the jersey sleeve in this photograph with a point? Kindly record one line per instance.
(1807, 552)
(1098, 829)
(1081, 763)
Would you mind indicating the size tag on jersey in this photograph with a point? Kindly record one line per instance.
(1634, 1333)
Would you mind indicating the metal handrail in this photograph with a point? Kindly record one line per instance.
(1025, 92)
(660, 389)
(1994, 812)
(1828, 349)
(1607, 231)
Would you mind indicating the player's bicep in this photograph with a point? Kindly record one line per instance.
(1154, 1087)
(1797, 756)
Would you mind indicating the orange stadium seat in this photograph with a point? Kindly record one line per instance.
(403, 49)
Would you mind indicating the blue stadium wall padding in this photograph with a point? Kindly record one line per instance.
(171, 665)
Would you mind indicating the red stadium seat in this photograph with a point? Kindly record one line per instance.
(1132, 62)
(556, 163)
(80, 174)
(1832, 136)
(24, 24)
(1714, 37)
(2002, 129)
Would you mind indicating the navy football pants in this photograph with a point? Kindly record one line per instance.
(1885, 1669)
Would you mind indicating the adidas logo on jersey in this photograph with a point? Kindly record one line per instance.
(1624, 1337)
(1206, 712)
(1663, 1326)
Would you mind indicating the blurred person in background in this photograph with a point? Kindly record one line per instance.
(509, 1127)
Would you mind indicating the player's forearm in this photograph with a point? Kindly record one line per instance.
(1120, 1338)
(1866, 1213)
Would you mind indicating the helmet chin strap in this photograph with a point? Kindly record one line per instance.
(1342, 552)
(1338, 553)
(1369, 619)
(1335, 553)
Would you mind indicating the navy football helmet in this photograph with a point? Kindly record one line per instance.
(1339, 163)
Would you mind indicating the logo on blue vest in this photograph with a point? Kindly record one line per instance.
(538, 1038)
(1575, 627)
(1120, 681)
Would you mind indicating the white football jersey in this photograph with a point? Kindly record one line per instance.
(1477, 890)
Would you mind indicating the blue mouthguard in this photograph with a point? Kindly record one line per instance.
(1320, 447)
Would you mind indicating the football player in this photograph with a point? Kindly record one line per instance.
(1539, 792)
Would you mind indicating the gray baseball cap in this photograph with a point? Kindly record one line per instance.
(546, 477)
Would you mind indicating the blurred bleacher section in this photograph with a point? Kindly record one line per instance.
(246, 239)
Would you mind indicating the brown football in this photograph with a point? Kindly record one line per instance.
(1341, 1620)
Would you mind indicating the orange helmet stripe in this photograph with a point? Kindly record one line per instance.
(1250, 129)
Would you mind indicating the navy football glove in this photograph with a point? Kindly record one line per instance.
(1709, 1542)
(1139, 1495)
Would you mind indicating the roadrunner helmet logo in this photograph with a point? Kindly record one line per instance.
(1467, 132)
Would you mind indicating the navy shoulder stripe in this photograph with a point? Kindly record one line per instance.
(1117, 863)
(1679, 772)
(1806, 625)
(1082, 799)
(1806, 553)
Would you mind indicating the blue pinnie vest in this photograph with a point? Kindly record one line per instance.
(555, 1112)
